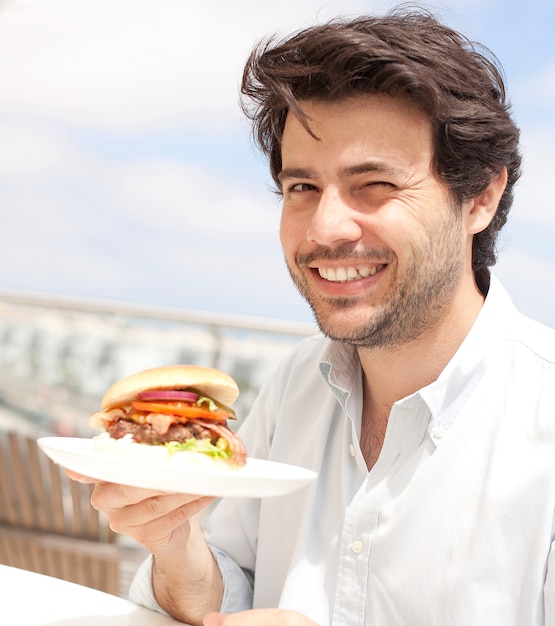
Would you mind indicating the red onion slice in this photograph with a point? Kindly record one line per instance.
(168, 394)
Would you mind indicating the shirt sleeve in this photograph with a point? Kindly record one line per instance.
(140, 591)
(238, 589)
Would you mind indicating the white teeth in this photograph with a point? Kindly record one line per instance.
(340, 275)
(343, 275)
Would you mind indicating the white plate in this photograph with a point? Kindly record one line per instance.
(256, 479)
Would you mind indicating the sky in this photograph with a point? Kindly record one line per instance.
(127, 171)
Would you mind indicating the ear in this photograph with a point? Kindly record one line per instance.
(482, 208)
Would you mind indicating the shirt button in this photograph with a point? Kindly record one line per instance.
(438, 432)
(357, 546)
(352, 449)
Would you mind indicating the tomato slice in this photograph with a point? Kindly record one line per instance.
(181, 409)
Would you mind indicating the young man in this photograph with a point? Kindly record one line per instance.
(427, 406)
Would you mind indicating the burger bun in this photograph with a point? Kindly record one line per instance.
(205, 380)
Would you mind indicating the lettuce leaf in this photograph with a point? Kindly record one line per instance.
(219, 450)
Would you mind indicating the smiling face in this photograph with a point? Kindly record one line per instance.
(371, 237)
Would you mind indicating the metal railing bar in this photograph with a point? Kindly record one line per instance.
(159, 313)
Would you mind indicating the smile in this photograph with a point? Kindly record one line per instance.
(348, 274)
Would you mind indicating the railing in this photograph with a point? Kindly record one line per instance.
(215, 321)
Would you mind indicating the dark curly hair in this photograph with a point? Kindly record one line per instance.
(406, 53)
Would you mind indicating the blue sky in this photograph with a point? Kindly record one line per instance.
(126, 168)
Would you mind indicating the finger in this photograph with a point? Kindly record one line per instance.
(152, 521)
(113, 496)
(160, 534)
(171, 509)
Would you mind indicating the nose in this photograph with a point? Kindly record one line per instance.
(333, 220)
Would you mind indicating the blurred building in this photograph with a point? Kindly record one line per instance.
(59, 355)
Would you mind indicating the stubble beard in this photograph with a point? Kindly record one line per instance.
(418, 296)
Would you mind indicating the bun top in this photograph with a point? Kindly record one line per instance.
(206, 380)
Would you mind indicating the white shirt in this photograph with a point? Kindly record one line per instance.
(454, 524)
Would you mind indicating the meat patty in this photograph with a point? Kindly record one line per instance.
(145, 433)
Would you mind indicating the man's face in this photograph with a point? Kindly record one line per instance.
(370, 235)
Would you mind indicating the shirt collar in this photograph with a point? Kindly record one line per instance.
(342, 372)
(445, 397)
(340, 368)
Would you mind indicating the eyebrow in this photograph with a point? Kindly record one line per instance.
(354, 170)
(295, 172)
(371, 166)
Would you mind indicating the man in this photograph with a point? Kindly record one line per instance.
(427, 408)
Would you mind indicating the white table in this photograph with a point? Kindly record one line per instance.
(30, 599)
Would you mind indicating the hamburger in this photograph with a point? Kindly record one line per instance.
(178, 412)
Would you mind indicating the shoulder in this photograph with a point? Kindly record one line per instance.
(533, 337)
(524, 336)
(303, 362)
(298, 380)
(287, 403)
(308, 350)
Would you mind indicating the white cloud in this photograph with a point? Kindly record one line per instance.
(136, 63)
(33, 151)
(140, 64)
(171, 196)
(32, 219)
(199, 239)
